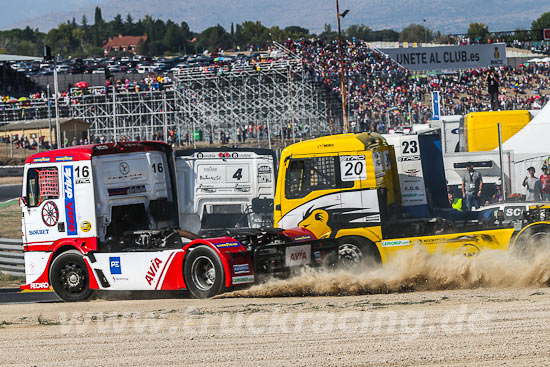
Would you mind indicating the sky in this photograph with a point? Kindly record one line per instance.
(448, 16)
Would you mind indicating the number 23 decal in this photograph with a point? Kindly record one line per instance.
(409, 147)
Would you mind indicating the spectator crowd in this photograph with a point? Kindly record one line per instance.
(381, 92)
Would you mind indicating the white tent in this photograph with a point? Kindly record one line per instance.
(534, 138)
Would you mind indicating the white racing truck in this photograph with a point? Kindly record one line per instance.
(118, 217)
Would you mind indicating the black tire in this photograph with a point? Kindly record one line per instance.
(203, 273)
(357, 251)
(532, 241)
(69, 277)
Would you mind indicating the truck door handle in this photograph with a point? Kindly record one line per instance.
(278, 207)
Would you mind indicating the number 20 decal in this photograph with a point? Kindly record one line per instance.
(353, 168)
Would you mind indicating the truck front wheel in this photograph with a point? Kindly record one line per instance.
(355, 250)
(532, 241)
(203, 273)
(69, 277)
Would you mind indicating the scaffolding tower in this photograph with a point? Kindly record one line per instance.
(127, 115)
(283, 98)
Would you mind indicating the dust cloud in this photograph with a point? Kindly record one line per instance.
(414, 270)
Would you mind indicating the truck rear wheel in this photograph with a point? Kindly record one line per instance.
(355, 250)
(69, 277)
(203, 273)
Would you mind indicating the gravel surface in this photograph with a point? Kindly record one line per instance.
(469, 327)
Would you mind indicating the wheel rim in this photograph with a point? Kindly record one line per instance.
(349, 254)
(203, 273)
(73, 278)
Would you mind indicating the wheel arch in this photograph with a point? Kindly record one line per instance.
(528, 230)
(65, 246)
(200, 242)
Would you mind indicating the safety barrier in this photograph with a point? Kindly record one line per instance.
(11, 171)
(11, 257)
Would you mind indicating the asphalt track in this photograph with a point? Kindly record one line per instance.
(8, 192)
(15, 296)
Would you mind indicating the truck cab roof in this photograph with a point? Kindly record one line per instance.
(337, 143)
(85, 152)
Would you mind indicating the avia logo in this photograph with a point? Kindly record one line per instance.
(153, 270)
(298, 256)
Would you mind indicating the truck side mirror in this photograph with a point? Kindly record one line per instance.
(23, 201)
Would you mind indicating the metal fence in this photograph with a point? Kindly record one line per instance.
(11, 257)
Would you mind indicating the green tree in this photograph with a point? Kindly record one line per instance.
(295, 31)
(254, 33)
(520, 35)
(328, 33)
(238, 39)
(142, 47)
(478, 32)
(539, 24)
(415, 33)
(129, 25)
(359, 31)
(385, 35)
(98, 29)
(173, 38)
(443, 38)
(117, 27)
(62, 40)
(185, 31)
(215, 38)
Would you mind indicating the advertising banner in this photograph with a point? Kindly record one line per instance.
(436, 106)
(449, 57)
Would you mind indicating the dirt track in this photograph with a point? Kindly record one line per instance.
(443, 328)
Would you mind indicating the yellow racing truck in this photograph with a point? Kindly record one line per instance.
(346, 188)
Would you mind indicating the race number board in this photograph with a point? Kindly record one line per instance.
(236, 174)
(353, 168)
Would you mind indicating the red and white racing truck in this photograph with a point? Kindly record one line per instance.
(106, 217)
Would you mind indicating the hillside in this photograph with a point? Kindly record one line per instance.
(448, 16)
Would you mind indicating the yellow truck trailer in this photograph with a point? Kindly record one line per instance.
(480, 129)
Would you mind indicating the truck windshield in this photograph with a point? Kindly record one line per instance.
(311, 174)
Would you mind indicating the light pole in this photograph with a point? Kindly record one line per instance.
(48, 57)
(56, 91)
(49, 115)
(342, 72)
(425, 33)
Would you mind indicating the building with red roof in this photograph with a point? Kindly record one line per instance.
(123, 44)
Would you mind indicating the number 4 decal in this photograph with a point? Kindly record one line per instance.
(353, 168)
(238, 174)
